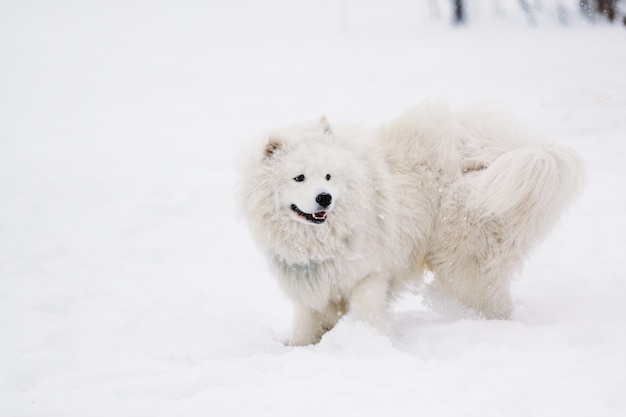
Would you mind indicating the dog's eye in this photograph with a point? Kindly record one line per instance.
(299, 178)
(327, 177)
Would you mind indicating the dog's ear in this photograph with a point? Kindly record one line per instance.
(326, 126)
(271, 147)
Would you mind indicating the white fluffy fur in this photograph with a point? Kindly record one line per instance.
(462, 193)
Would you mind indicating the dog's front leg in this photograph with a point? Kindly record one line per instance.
(369, 302)
(308, 326)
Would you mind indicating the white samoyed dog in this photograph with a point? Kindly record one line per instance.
(349, 217)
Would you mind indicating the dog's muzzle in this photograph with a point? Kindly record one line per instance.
(318, 217)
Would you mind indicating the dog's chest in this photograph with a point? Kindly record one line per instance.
(314, 284)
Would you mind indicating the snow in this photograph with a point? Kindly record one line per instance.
(129, 285)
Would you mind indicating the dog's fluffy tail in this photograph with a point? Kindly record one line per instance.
(530, 187)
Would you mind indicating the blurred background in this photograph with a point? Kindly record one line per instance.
(591, 10)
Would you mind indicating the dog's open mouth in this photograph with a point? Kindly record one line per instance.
(317, 217)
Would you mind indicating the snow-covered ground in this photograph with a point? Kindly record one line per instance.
(129, 285)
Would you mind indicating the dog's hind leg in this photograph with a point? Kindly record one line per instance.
(474, 262)
(476, 287)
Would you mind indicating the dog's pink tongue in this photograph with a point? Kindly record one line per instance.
(320, 215)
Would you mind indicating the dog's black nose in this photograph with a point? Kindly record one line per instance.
(324, 199)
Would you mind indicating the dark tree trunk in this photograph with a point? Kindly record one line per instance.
(607, 8)
(459, 11)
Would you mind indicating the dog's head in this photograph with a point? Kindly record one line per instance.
(303, 165)
(307, 191)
